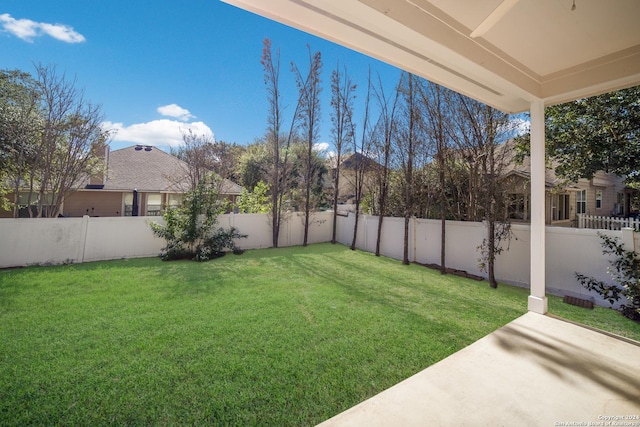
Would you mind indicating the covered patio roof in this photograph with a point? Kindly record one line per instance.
(505, 53)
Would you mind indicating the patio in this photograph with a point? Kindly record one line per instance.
(537, 370)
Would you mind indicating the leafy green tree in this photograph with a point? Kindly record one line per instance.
(626, 278)
(189, 229)
(592, 134)
(20, 121)
(51, 138)
(256, 201)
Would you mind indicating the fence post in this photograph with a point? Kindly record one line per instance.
(83, 236)
(628, 239)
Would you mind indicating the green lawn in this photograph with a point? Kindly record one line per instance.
(286, 336)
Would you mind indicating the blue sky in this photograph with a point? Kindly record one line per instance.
(164, 66)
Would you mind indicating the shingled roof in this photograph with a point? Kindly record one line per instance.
(150, 169)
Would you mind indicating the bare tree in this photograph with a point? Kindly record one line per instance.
(271, 67)
(361, 164)
(436, 100)
(384, 134)
(71, 139)
(342, 97)
(408, 144)
(309, 88)
(196, 153)
(481, 131)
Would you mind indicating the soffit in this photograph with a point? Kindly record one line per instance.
(539, 49)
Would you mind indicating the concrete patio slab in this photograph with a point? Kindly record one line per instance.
(535, 371)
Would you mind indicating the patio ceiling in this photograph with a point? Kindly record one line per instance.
(505, 53)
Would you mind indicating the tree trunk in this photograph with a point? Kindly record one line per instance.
(275, 208)
(355, 229)
(381, 206)
(492, 253)
(307, 199)
(405, 254)
(336, 182)
(443, 212)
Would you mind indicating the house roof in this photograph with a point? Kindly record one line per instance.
(505, 53)
(353, 160)
(149, 169)
(512, 167)
(551, 179)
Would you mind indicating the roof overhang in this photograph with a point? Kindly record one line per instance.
(503, 53)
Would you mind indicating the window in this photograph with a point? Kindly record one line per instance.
(599, 199)
(128, 204)
(23, 199)
(174, 200)
(154, 204)
(581, 202)
(518, 207)
(619, 208)
(560, 207)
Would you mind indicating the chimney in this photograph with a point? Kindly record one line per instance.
(98, 180)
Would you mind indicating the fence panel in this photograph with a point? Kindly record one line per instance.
(60, 240)
(607, 222)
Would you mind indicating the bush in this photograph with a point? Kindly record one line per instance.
(188, 228)
(625, 272)
(214, 246)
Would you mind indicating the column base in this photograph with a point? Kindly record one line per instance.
(538, 305)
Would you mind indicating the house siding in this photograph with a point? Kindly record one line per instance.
(93, 203)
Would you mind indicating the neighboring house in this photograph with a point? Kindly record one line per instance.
(603, 195)
(139, 181)
(348, 165)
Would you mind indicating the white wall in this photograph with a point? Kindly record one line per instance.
(569, 250)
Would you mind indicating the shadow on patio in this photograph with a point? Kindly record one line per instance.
(537, 370)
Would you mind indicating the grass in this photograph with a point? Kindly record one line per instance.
(286, 336)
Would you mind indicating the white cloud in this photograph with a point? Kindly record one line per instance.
(321, 146)
(27, 29)
(174, 110)
(156, 132)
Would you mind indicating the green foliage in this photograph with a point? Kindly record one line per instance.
(592, 134)
(188, 229)
(625, 273)
(256, 201)
(214, 245)
(51, 137)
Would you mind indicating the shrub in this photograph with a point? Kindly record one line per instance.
(188, 228)
(214, 246)
(625, 272)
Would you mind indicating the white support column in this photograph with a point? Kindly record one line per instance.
(537, 299)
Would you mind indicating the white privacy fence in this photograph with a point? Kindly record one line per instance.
(75, 240)
(568, 250)
(607, 222)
